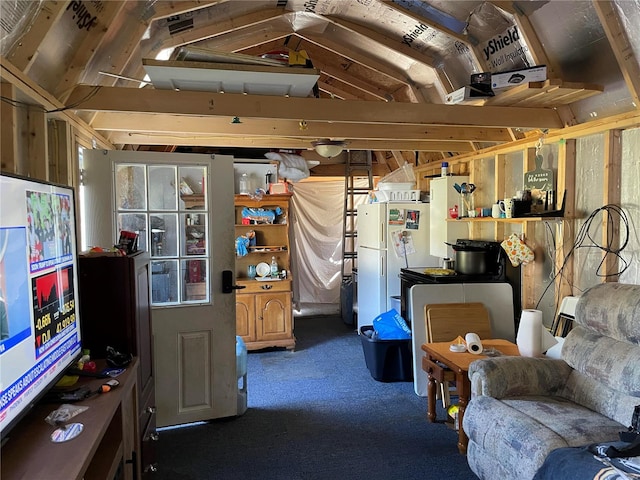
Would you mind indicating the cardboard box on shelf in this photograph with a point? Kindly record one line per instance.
(280, 187)
(513, 78)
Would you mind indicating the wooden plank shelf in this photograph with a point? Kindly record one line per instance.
(267, 248)
(194, 201)
(505, 220)
(550, 93)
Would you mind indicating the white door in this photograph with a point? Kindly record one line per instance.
(372, 284)
(372, 225)
(182, 207)
(408, 244)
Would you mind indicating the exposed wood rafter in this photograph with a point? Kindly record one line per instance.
(622, 48)
(25, 51)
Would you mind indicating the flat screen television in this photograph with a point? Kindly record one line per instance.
(39, 322)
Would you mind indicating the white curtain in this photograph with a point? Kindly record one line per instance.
(318, 209)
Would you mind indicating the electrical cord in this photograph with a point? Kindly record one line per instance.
(613, 212)
(17, 103)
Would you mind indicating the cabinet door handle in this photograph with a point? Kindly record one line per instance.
(266, 287)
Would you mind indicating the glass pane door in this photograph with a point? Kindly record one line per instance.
(166, 206)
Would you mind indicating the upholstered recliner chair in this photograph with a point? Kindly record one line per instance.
(523, 408)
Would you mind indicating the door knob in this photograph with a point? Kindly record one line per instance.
(227, 282)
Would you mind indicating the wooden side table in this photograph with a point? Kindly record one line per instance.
(443, 365)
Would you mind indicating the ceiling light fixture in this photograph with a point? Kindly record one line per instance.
(329, 148)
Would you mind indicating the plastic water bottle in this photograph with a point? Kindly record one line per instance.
(274, 268)
(244, 184)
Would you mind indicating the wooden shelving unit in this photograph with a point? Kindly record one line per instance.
(264, 312)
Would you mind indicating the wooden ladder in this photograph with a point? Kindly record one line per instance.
(358, 166)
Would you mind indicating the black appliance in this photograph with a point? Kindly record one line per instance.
(499, 269)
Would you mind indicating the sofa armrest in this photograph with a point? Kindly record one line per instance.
(517, 376)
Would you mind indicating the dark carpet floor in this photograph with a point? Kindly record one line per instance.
(316, 413)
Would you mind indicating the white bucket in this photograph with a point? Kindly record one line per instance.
(395, 303)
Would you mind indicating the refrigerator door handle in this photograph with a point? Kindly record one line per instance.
(381, 267)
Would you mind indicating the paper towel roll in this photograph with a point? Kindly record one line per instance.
(529, 337)
(474, 345)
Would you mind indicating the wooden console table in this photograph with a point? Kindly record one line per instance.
(107, 448)
(439, 362)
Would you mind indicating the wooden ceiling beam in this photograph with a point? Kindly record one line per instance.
(84, 52)
(234, 42)
(333, 72)
(344, 51)
(335, 91)
(381, 157)
(394, 46)
(466, 40)
(229, 42)
(356, 70)
(398, 159)
(345, 77)
(621, 46)
(163, 9)
(24, 53)
(355, 93)
(38, 96)
(530, 36)
(537, 51)
(238, 38)
(198, 125)
(147, 100)
(123, 138)
(217, 28)
(621, 121)
(121, 43)
(337, 170)
(461, 37)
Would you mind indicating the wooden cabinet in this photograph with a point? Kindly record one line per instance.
(264, 315)
(106, 449)
(115, 311)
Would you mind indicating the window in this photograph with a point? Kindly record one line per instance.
(166, 206)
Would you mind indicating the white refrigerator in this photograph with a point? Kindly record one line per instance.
(391, 236)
